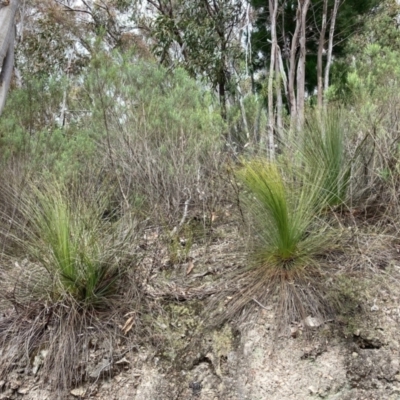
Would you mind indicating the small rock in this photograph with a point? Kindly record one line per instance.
(374, 307)
(357, 332)
(311, 322)
(23, 390)
(312, 390)
(294, 331)
(2, 384)
(78, 392)
(15, 384)
(397, 377)
(37, 362)
(44, 353)
(248, 348)
(101, 368)
(196, 387)
(354, 355)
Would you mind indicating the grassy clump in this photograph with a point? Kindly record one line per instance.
(283, 215)
(67, 236)
(64, 277)
(325, 154)
(287, 239)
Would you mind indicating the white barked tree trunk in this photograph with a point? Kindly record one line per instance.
(8, 9)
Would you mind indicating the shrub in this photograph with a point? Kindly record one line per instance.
(157, 133)
(162, 136)
(32, 133)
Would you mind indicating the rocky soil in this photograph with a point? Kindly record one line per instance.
(355, 357)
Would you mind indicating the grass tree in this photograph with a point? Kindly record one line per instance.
(324, 153)
(288, 237)
(329, 150)
(65, 263)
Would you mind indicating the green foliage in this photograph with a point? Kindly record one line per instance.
(44, 49)
(205, 33)
(350, 18)
(31, 130)
(368, 85)
(285, 217)
(161, 134)
(325, 154)
(286, 239)
(66, 235)
(370, 59)
(120, 105)
(30, 110)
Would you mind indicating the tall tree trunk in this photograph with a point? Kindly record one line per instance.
(278, 86)
(330, 44)
(7, 39)
(6, 72)
(292, 71)
(222, 95)
(256, 132)
(222, 80)
(63, 116)
(321, 46)
(273, 10)
(242, 107)
(301, 79)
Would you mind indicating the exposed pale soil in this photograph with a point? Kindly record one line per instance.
(354, 358)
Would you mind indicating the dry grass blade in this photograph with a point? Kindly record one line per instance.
(128, 325)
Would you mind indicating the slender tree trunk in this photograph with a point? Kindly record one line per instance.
(282, 73)
(222, 95)
(6, 72)
(256, 131)
(63, 117)
(330, 44)
(7, 42)
(301, 79)
(242, 107)
(279, 101)
(222, 81)
(273, 10)
(292, 71)
(321, 46)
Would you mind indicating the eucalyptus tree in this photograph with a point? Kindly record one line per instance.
(203, 36)
(303, 37)
(8, 10)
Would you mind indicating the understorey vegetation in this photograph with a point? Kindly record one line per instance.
(136, 182)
